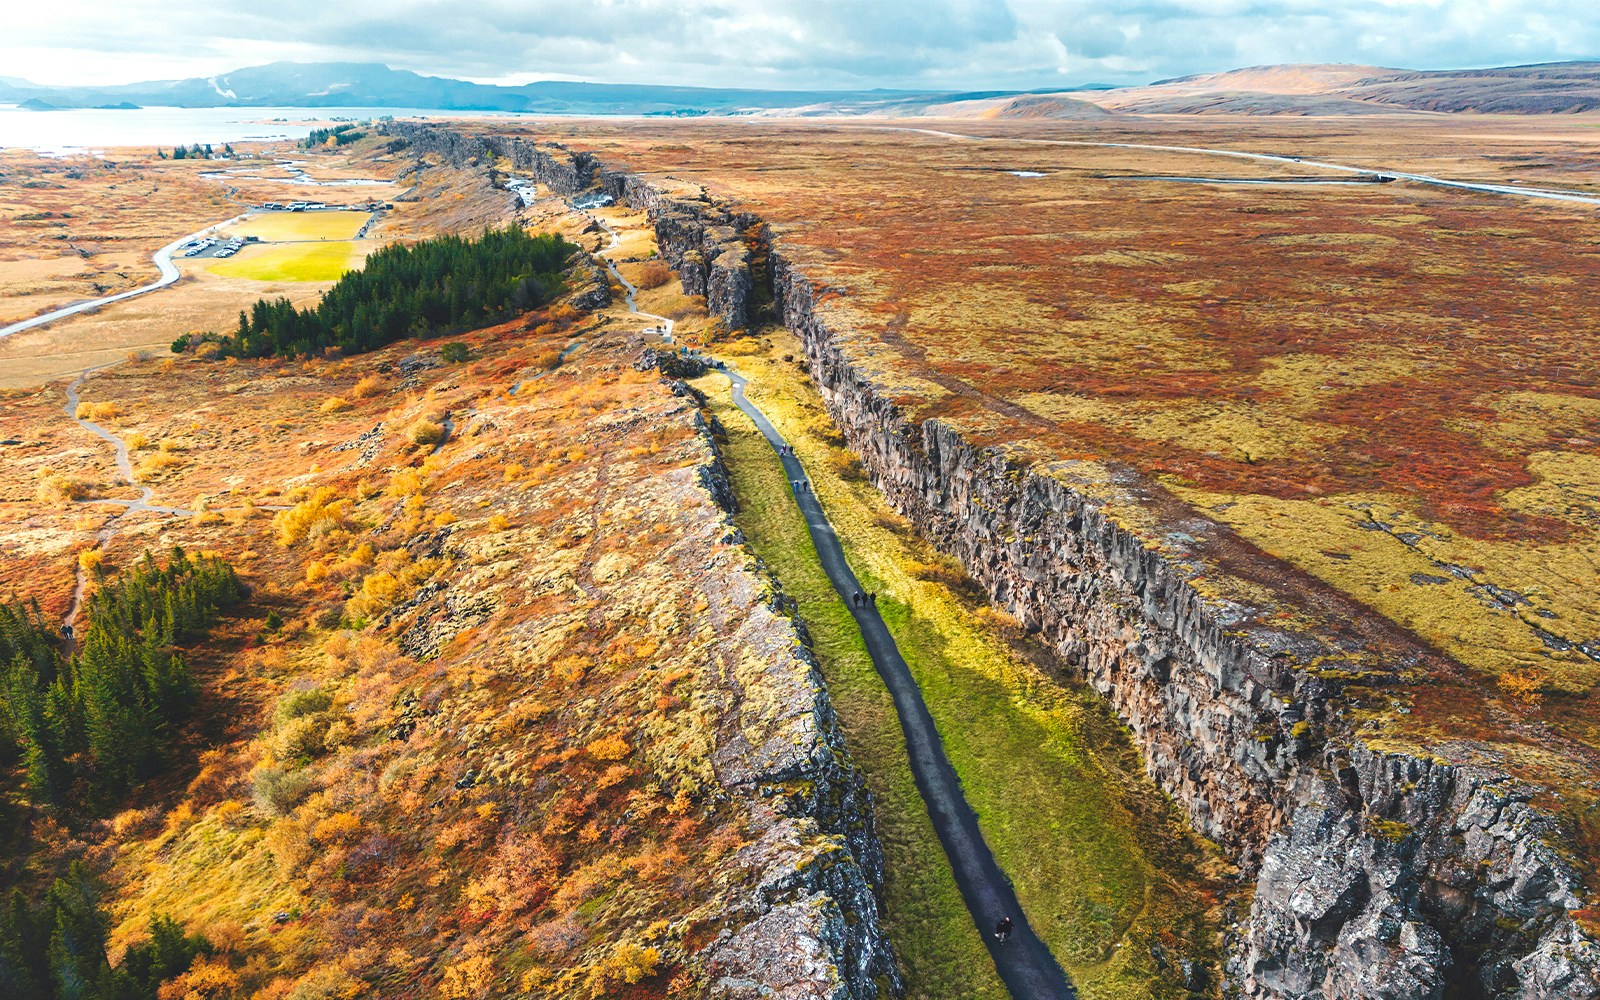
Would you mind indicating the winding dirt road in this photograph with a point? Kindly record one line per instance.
(163, 261)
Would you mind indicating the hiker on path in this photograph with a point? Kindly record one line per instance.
(1002, 930)
(855, 598)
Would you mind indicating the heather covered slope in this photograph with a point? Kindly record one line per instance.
(508, 709)
(1336, 90)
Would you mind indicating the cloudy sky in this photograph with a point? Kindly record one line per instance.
(947, 44)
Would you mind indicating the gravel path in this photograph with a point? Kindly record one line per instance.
(1025, 964)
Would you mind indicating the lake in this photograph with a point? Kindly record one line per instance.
(89, 128)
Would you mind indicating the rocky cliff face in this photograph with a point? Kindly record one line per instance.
(706, 244)
(1378, 874)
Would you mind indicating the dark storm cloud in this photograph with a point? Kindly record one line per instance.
(793, 43)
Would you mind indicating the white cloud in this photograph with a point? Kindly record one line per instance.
(954, 44)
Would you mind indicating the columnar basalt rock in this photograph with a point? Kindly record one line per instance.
(705, 242)
(1377, 874)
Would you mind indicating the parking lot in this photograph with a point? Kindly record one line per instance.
(213, 246)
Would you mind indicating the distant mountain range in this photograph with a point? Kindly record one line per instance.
(1547, 88)
(327, 85)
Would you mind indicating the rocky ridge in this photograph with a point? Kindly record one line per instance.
(1378, 872)
(802, 922)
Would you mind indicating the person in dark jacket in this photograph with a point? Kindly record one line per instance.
(1002, 930)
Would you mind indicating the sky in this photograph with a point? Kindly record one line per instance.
(845, 44)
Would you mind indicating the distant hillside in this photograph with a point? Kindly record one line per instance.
(1321, 89)
(1548, 88)
(1289, 78)
(1041, 106)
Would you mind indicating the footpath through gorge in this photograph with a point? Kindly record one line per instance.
(1024, 962)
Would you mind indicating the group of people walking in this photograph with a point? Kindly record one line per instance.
(861, 600)
(801, 485)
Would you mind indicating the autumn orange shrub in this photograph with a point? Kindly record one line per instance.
(1522, 685)
(322, 511)
(626, 964)
(609, 748)
(467, 979)
(653, 274)
(368, 387)
(207, 979)
(97, 411)
(426, 432)
(55, 488)
(156, 463)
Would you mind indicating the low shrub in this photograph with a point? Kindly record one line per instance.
(367, 388)
(426, 432)
(276, 791)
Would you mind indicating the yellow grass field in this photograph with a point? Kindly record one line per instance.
(288, 227)
(201, 301)
(297, 262)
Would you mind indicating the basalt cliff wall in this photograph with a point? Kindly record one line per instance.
(1376, 873)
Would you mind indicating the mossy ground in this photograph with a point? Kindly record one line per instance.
(1275, 362)
(1098, 860)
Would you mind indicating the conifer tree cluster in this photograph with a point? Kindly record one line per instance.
(339, 135)
(57, 949)
(195, 152)
(435, 286)
(91, 727)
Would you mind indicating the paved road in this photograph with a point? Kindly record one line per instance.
(163, 262)
(665, 329)
(1027, 967)
(1549, 194)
